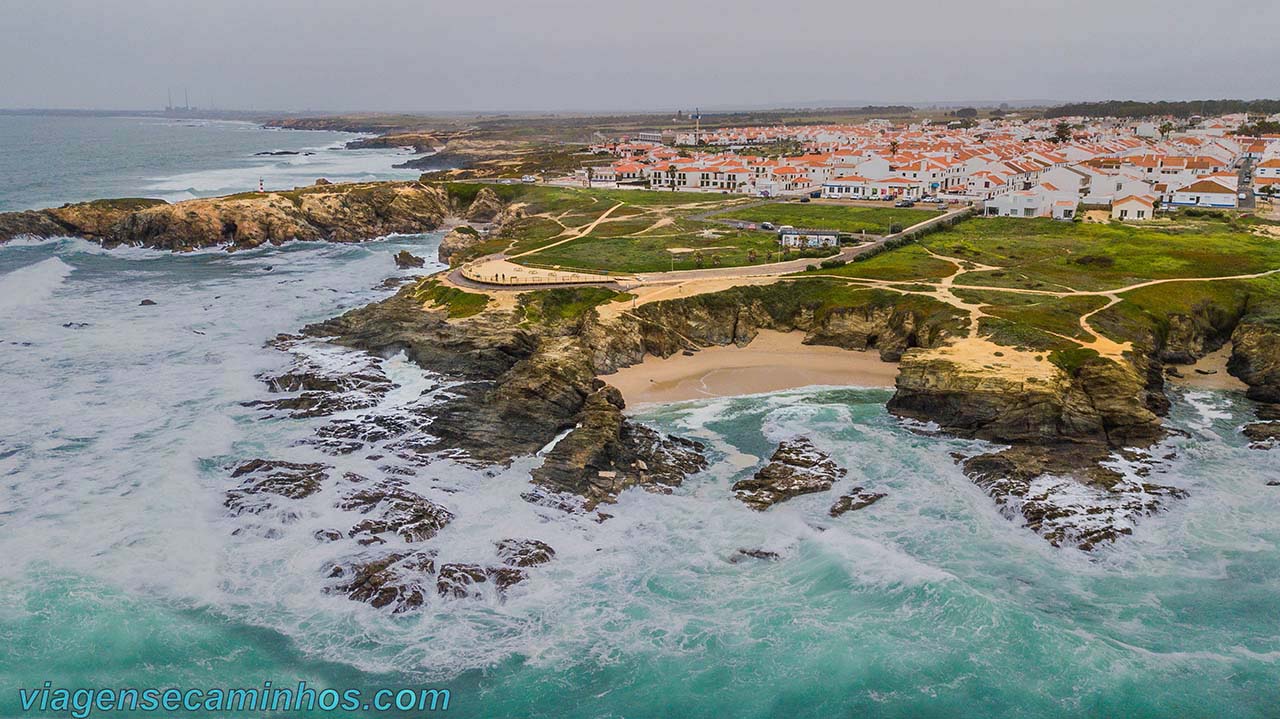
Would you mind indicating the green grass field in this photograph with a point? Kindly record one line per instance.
(846, 218)
(1052, 255)
(640, 253)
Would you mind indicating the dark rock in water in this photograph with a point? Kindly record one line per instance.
(796, 468)
(562, 501)
(268, 268)
(327, 535)
(276, 153)
(325, 382)
(607, 453)
(393, 282)
(399, 580)
(745, 554)
(405, 260)
(1263, 435)
(506, 577)
(854, 500)
(524, 552)
(1273, 483)
(146, 303)
(414, 517)
(75, 325)
(457, 580)
(1063, 493)
(1173, 371)
(273, 477)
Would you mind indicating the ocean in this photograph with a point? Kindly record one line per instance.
(47, 160)
(121, 567)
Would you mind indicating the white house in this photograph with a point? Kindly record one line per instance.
(1208, 192)
(1040, 201)
(1134, 207)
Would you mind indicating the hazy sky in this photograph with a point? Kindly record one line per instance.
(637, 54)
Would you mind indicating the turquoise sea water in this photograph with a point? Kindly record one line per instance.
(120, 568)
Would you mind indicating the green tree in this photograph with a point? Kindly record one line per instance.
(1062, 132)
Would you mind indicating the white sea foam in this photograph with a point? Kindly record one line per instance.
(33, 284)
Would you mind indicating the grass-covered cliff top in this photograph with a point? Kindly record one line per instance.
(1048, 285)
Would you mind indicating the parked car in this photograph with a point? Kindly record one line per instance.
(804, 199)
(767, 226)
(529, 179)
(904, 203)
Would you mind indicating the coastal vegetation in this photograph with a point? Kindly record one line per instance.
(457, 302)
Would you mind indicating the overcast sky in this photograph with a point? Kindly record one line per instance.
(426, 55)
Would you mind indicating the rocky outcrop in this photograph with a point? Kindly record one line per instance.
(262, 479)
(1064, 494)
(399, 580)
(796, 468)
(335, 213)
(857, 498)
(406, 260)
(1255, 358)
(485, 207)
(605, 454)
(1263, 435)
(1015, 397)
(457, 242)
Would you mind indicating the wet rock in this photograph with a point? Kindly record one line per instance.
(458, 241)
(1266, 411)
(327, 535)
(325, 381)
(1262, 435)
(406, 260)
(796, 468)
(458, 581)
(146, 303)
(1065, 495)
(1255, 358)
(506, 577)
(412, 516)
(524, 552)
(856, 499)
(744, 554)
(607, 453)
(260, 477)
(399, 580)
(75, 325)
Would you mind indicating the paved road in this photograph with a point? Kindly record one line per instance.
(1246, 186)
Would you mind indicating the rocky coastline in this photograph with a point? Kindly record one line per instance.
(324, 212)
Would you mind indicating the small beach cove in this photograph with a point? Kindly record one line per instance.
(773, 361)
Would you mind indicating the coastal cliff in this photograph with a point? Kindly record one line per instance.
(327, 212)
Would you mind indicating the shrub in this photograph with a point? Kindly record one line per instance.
(832, 264)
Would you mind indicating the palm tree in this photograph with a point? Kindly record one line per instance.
(1165, 129)
(893, 147)
(671, 176)
(591, 172)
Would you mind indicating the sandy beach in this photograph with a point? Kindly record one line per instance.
(1215, 362)
(773, 361)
